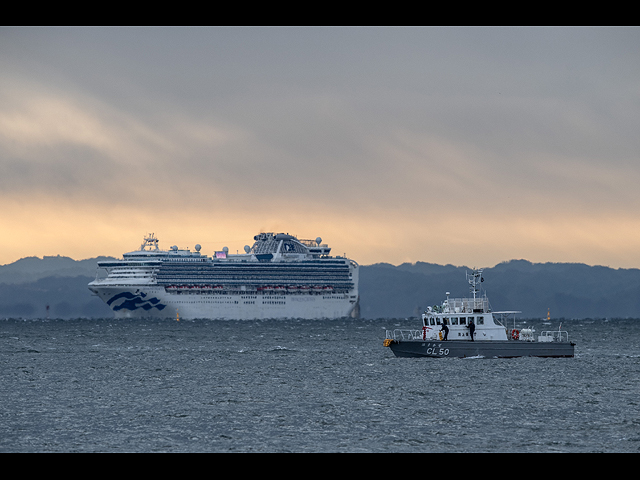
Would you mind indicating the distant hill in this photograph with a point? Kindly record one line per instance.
(28, 285)
(569, 290)
(30, 269)
(67, 297)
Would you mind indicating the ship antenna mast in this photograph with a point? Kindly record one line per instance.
(474, 279)
(150, 241)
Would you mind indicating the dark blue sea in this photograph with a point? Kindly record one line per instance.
(108, 385)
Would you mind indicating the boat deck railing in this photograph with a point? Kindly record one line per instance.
(554, 336)
(404, 335)
(468, 305)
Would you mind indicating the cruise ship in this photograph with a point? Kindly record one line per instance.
(280, 276)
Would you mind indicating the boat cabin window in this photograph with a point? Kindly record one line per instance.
(454, 321)
(463, 321)
(433, 321)
(445, 320)
(480, 321)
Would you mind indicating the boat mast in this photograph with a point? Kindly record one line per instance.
(474, 279)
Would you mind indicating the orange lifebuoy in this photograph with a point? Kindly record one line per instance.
(515, 334)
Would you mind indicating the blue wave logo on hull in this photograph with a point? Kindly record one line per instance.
(133, 302)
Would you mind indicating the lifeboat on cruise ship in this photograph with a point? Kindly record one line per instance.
(328, 289)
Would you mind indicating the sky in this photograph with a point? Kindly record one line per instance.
(450, 145)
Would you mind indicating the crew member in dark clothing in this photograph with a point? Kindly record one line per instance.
(444, 329)
(472, 329)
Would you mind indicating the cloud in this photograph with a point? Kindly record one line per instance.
(393, 144)
(70, 146)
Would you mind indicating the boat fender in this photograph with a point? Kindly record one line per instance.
(387, 342)
(515, 334)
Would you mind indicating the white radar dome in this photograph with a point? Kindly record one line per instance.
(318, 240)
(198, 247)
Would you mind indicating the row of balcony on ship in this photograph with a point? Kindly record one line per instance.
(267, 289)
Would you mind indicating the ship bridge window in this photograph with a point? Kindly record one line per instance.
(480, 321)
(445, 320)
(463, 320)
(432, 321)
(454, 321)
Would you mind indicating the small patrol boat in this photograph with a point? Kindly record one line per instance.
(467, 327)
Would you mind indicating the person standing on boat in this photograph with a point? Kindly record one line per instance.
(444, 329)
(472, 329)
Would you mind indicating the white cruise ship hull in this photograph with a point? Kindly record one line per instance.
(153, 301)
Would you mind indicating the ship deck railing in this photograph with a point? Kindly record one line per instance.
(468, 305)
(554, 336)
(404, 335)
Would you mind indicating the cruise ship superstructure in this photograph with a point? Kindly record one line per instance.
(280, 276)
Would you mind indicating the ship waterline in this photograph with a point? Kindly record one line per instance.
(279, 277)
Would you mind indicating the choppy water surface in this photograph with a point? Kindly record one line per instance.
(306, 386)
